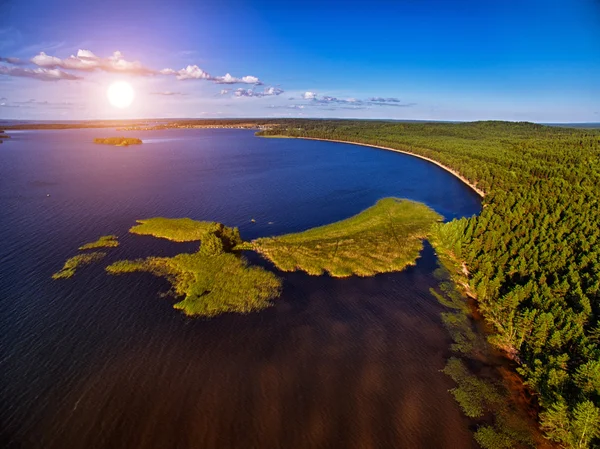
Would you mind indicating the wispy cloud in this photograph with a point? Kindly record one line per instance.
(268, 92)
(9, 37)
(385, 100)
(289, 106)
(87, 61)
(186, 52)
(333, 103)
(39, 74)
(45, 46)
(13, 61)
(193, 72)
(33, 103)
(168, 93)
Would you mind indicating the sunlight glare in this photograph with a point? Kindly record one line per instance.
(120, 94)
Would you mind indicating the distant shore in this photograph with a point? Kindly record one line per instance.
(479, 192)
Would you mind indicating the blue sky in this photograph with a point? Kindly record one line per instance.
(402, 59)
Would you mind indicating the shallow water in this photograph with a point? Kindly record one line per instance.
(105, 362)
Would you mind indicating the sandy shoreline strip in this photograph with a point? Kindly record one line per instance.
(479, 192)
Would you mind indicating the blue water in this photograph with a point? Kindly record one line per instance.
(105, 362)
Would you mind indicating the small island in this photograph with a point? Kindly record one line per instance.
(213, 280)
(106, 241)
(217, 279)
(118, 141)
(3, 136)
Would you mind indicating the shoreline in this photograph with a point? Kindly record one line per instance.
(473, 187)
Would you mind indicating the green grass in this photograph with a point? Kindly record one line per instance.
(216, 279)
(210, 284)
(385, 237)
(211, 281)
(175, 229)
(118, 141)
(72, 264)
(106, 241)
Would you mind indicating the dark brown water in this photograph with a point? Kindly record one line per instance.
(105, 362)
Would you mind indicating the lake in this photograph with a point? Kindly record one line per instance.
(105, 362)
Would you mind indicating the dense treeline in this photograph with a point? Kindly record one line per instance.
(533, 252)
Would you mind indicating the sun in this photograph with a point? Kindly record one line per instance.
(120, 94)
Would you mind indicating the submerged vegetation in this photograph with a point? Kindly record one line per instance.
(118, 141)
(386, 237)
(532, 255)
(75, 262)
(106, 241)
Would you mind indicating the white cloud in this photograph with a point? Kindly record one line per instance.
(228, 79)
(192, 72)
(250, 80)
(40, 73)
(43, 60)
(326, 102)
(168, 93)
(273, 91)
(269, 91)
(87, 61)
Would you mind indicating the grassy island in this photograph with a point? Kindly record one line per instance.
(106, 241)
(78, 261)
(210, 284)
(118, 141)
(213, 280)
(176, 229)
(386, 237)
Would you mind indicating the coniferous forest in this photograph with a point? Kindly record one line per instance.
(533, 253)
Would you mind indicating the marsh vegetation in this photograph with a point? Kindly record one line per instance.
(105, 241)
(74, 263)
(383, 238)
(216, 278)
(210, 284)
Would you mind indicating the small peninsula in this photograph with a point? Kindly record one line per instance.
(106, 241)
(75, 262)
(118, 141)
(383, 238)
